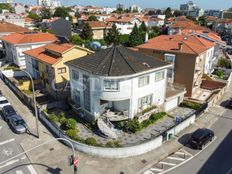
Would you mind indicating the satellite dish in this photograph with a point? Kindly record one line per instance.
(95, 45)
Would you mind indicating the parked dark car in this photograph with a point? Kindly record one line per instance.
(200, 138)
(7, 112)
(17, 124)
(229, 104)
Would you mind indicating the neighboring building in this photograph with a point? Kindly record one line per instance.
(108, 10)
(190, 9)
(124, 24)
(16, 43)
(135, 8)
(46, 64)
(12, 18)
(29, 23)
(100, 29)
(19, 9)
(6, 29)
(45, 3)
(54, 24)
(191, 57)
(120, 6)
(117, 82)
(227, 14)
(56, 4)
(151, 21)
(214, 13)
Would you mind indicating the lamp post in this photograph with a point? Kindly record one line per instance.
(34, 100)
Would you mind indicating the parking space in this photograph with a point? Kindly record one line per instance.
(183, 155)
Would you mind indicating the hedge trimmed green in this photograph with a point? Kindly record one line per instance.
(190, 104)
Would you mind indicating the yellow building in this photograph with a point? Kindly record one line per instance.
(47, 63)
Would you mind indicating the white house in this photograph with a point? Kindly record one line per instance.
(124, 24)
(16, 43)
(117, 82)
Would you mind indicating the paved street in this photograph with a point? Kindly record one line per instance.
(217, 157)
(9, 147)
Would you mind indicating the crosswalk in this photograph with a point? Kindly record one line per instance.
(169, 162)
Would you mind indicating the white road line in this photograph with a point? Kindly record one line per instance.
(148, 172)
(0, 127)
(7, 141)
(168, 164)
(175, 158)
(24, 157)
(19, 172)
(229, 172)
(156, 170)
(186, 152)
(9, 163)
(178, 165)
(180, 153)
(31, 169)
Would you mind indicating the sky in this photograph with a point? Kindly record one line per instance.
(205, 4)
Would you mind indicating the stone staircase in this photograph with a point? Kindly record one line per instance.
(106, 127)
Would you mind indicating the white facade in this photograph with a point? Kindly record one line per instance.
(131, 94)
(126, 27)
(209, 58)
(14, 52)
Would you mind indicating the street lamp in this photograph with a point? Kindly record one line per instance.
(34, 100)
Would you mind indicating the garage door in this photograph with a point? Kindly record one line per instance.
(171, 104)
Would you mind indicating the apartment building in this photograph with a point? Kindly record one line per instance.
(191, 57)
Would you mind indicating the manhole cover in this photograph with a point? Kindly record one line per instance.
(51, 149)
(144, 161)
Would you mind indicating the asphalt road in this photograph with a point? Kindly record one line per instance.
(10, 147)
(217, 157)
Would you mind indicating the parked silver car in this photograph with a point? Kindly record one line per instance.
(17, 124)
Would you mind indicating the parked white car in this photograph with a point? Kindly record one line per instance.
(3, 102)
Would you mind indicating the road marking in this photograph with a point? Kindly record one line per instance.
(7, 141)
(0, 127)
(180, 153)
(19, 172)
(24, 157)
(148, 172)
(31, 169)
(229, 172)
(156, 170)
(9, 163)
(168, 164)
(178, 165)
(186, 152)
(175, 158)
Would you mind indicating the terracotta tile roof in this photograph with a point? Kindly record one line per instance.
(29, 37)
(44, 53)
(6, 27)
(121, 19)
(189, 44)
(186, 24)
(98, 24)
(59, 48)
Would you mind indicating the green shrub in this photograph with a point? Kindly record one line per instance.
(117, 143)
(220, 73)
(72, 133)
(91, 141)
(71, 123)
(225, 63)
(109, 144)
(53, 118)
(146, 123)
(62, 120)
(191, 105)
(133, 125)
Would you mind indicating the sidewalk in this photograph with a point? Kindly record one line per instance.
(53, 158)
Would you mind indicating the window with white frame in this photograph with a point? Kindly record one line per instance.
(75, 75)
(76, 97)
(143, 81)
(170, 58)
(144, 102)
(61, 70)
(111, 85)
(159, 75)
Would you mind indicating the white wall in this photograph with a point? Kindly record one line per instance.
(209, 60)
(128, 90)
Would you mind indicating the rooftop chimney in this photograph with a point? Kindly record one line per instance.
(180, 46)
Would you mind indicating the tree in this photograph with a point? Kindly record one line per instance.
(76, 39)
(124, 39)
(92, 18)
(6, 6)
(192, 19)
(177, 13)
(135, 38)
(34, 16)
(113, 36)
(155, 31)
(62, 12)
(143, 30)
(202, 20)
(45, 13)
(151, 12)
(87, 32)
(168, 13)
